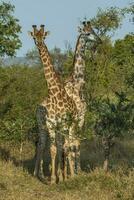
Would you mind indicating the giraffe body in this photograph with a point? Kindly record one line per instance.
(74, 85)
(55, 109)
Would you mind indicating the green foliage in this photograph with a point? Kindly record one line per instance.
(113, 118)
(67, 67)
(60, 60)
(21, 89)
(100, 71)
(123, 56)
(33, 57)
(16, 182)
(109, 70)
(129, 10)
(9, 30)
(107, 20)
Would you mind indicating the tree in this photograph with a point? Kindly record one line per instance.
(129, 10)
(113, 119)
(21, 89)
(109, 71)
(57, 57)
(9, 30)
(107, 21)
(123, 56)
(33, 57)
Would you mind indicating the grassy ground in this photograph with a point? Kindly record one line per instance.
(17, 183)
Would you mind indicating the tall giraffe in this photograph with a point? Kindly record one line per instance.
(75, 83)
(53, 110)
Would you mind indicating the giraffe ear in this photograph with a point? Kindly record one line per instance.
(79, 29)
(30, 33)
(47, 33)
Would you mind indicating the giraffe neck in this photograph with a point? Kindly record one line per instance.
(76, 80)
(49, 71)
(79, 60)
(74, 85)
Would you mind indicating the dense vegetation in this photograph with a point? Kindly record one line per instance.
(109, 93)
(9, 30)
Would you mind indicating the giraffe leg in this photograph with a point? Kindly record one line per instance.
(53, 152)
(71, 154)
(37, 160)
(65, 166)
(71, 163)
(41, 119)
(59, 161)
(65, 159)
(38, 171)
(77, 159)
(42, 148)
(69, 160)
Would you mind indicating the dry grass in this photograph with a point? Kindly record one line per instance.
(17, 183)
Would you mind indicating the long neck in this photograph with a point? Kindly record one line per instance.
(49, 71)
(79, 60)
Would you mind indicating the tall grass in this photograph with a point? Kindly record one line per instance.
(18, 183)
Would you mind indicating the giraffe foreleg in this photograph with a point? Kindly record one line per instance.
(41, 120)
(60, 158)
(71, 163)
(38, 171)
(77, 157)
(68, 159)
(53, 152)
(65, 159)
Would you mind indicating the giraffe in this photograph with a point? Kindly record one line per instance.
(53, 110)
(74, 85)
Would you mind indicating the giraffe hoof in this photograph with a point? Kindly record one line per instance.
(35, 174)
(53, 180)
(59, 179)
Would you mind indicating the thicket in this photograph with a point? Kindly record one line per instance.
(109, 89)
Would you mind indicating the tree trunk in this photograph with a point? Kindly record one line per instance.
(20, 152)
(106, 147)
(105, 165)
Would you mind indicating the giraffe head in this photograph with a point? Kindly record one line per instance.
(39, 35)
(88, 33)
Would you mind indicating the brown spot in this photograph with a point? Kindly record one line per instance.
(62, 110)
(53, 106)
(52, 112)
(56, 101)
(44, 60)
(47, 70)
(48, 76)
(64, 100)
(80, 62)
(54, 90)
(48, 106)
(52, 100)
(59, 96)
(60, 103)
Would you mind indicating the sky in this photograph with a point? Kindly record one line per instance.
(61, 18)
